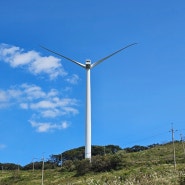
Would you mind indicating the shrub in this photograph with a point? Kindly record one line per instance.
(116, 162)
(181, 179)
(100, 163)
(83, 166)
(106, 163)
(68, 166)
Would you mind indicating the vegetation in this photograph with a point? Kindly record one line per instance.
(151, 165)
(78, 153)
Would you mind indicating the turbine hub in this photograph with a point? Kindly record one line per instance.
(88, 64)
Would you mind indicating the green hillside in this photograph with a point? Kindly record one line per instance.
(153, 165)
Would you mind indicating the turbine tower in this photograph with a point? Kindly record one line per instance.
(88, 66)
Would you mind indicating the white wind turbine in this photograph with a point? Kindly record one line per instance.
(88, 66)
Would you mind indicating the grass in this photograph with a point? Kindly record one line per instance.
(153, 175)
(149, 167)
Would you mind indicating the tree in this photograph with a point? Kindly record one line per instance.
(100, 163)
(78, 153)
(136, 148)
(112, 149)
(10, 166)
(55, 159)
(68, 165)
(83, 166)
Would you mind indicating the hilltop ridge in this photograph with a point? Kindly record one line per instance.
(153, 164)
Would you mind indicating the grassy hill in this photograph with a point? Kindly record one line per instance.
(154, 166)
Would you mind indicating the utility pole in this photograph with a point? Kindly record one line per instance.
(174, 158)
(33, 162)
(33, 166)
(182, 144)
(104, 150)
(18, 167)
(43, 170)
(61, 159)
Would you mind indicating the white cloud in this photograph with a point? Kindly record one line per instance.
(47, 127)
(71, 110)
(34, 98)
(52, 93)
(65, 101)
(3, 96)
(2, 146)
(65, 125)
(32, 60)
(8, 97)
(73, 79)
(24, 105)
(23, 58)
(51, 113)
(49, 65)
(30, 97)
(32, 91)
(14, 93)
(55, 107)
(43, 105)
(22, 93)
(4, 99)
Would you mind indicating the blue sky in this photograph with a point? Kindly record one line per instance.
(136, 94)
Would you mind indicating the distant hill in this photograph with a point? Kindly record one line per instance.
(146, 165)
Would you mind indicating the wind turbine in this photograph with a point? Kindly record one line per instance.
(88, 66)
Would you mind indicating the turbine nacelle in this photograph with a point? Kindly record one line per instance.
(88, 64)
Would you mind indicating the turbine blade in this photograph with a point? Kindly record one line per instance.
(78, 63)
(101, 60)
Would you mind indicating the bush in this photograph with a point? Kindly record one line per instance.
(136, 148)
(100, 163)
(106, 163)
(182, 179)
(68, 166)
(10, 166)
(83, 166)
(116, 162)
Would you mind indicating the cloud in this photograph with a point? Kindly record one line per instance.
(4, 99)
(32, 91)
(14, 93)
(2, 146)
(47, 127)
(32, 60)
(54, 107)
(24, 105)
(71, 110)
(43, 105)
(50, 113)
(20, 93)
(73, 79)
(3, 96)
(34, 98)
